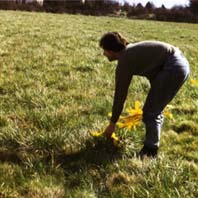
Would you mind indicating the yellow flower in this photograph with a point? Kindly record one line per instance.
(115, 139)
(136, 110)
(109, 114)
(133, 119)
(194, 82)
(137, 105)
(168, 114)
(96, 134)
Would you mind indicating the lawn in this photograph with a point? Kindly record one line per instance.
(56, 88)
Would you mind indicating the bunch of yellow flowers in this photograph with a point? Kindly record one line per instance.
(130, 121)
(133, 119)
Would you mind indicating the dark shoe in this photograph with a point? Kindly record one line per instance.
(148, 152)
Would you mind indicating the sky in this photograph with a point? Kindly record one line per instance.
(158, 3)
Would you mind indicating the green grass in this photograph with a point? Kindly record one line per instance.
(56, 87)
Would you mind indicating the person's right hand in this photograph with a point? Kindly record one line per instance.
(109, 130)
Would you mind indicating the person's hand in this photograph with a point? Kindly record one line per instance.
(109, 130)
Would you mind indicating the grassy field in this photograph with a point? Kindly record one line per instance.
(56, 87)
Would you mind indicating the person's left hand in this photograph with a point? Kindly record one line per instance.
(109, 130)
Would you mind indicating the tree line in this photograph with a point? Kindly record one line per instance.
(108, 7)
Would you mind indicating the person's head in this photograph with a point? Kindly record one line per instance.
(112, 43)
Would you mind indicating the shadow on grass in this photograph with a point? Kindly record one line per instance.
(77, 166)
(9, 156)
(97, 152)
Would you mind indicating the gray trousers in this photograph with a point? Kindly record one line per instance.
(164, 87)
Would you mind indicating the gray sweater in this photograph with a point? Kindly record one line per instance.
(144, 59)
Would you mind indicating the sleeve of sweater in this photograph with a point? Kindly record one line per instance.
(123, 78)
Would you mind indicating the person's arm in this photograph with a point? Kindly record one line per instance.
(123, 79)
(122, 82)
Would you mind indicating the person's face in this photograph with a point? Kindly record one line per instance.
(110, 55)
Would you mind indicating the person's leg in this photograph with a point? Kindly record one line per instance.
(163, 89)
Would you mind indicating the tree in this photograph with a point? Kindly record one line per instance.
(150, 6)
(139, 10)
(126, 7)
(194, 6)
(163, 7)
(139, 5)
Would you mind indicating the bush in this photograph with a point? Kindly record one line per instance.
(177, 14)
(8, 5)
(194, 6)
(12, 5)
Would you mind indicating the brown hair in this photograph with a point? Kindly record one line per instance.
(113, 41)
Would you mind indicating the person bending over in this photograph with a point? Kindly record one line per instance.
(162, 64)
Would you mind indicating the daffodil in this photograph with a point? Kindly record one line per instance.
(133, 119)
(136, 110)
(194, 82)
(96, 133)
(115, 138)
(168, 114)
